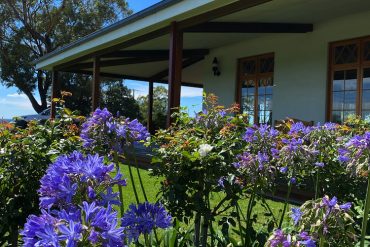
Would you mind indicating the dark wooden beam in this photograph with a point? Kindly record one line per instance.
(175, 71)
(250, 27)
(150, 107)
(132, 77)
(55, 92)
(154, 53)
(186, 63)
(96, 84)
(118, 62)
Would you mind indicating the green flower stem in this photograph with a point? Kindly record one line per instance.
(322, 241)
(248, 217)
(197, 229)
(317, 185)
(204, 233)
(116, 161)
(285, 204)
(270, 211)
(132, 179)
(147, 242)
(366, 215)
(239, 221)
(139, 175)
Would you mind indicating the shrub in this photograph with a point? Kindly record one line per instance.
(24, 157)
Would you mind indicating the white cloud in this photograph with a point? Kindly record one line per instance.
(15, 104)
(17, 95)
(188, 92)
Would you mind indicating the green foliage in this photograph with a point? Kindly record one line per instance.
(160, 95)
(24, 156)
(30, 29)
(193, 155)
(118, 98)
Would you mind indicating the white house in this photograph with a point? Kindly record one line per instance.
(305, 59)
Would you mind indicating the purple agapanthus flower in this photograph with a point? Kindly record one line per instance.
(306, 240)
(102, 130)
(66, 228)
(355, 154)
(319, 164)
(143, 218)
(296, 215)
(37, 228)
(71, 233)
(63, 178)
(298, 128)
(280, 239)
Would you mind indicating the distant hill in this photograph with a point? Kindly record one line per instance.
(5, 120)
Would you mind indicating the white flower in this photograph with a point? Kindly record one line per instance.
(2, 151)
(161, 150)
(204, 149)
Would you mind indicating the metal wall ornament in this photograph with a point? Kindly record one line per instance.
(216, 67)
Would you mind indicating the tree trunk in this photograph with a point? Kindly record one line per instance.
(36, 106)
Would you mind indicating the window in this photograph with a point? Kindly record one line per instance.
(349, 87)
(255, 86)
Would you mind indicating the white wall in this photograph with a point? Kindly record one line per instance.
(301, 62)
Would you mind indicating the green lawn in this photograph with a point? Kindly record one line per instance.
(152, 186)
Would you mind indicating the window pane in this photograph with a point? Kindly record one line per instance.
(345, 54)
(366, 116)
(268, 117)
(351, 80)
(347, 114)
(337, 116)
(338, 100)
(261, 117)
(350, 100)
(269, 85)
(269, 102)
(249, 67)
(261, 91)
(267, 65)
(367, 51)
(366, 79)
(366, 100)
(248, 103)
(261, 103)
(338, 82)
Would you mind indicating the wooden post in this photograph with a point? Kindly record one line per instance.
(150, 107)
(175, 70)
(55, 92)
(96, 84)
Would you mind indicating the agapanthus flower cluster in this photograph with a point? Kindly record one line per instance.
(356, 154)
(300, 129)
(255, 169)
(325, 218)
(85, 226)
(297, 155)
(77, 199)
(281, 239)
(102, 129)
(143, 218)
(262, 138)
(74, 175)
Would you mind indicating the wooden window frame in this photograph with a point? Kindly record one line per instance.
(240, 78)
(359, 66)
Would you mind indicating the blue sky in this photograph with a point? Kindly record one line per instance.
(14, 104)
